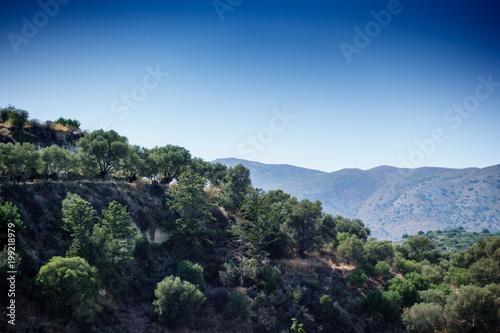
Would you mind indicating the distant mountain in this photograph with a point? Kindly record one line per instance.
(392, 201)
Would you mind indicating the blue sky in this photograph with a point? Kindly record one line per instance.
(266, 80)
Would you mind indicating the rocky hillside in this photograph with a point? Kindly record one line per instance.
(393, 201)
(42, 135)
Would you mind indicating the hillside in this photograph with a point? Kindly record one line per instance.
(393, 201)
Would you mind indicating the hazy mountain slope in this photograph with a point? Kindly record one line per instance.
(393, 201)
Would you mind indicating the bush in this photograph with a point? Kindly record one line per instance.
(357, 278)
(435, 296)
(237, 307)
(458, 276)
(386, 303)
(268, 277)
(424, 317)
(69, 289)
(326, 305)
(192, 273)
(68, 122)
(10, 219)
(383, 269)
(16, 117)
(472, 309)
(177, 302)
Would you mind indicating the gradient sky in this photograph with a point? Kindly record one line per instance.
(232, 69)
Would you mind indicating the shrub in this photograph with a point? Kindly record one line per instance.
(386, 303)
(435, 296)
(472, 309)
(423, 317)
(237, 307)
(458, 276)
(69, 289)
(177, 302)
(357, 278)
(326, 305)
(16, 117)
(68, 122)
(10, 218)
(383, 269)
(192, 273)
(268, 277)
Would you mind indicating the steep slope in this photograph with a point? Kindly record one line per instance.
(393, 201)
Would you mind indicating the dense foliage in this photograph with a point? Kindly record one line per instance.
(69, 289)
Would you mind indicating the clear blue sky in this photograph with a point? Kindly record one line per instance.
(345, 100)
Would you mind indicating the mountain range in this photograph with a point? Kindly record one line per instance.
(392, 201)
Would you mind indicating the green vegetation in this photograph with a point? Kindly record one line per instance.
(15, 117)
(177, 302)
(68, 122)
(192, 273)
(234, 257)
(457, 239)
(237, 306)
(68, 289)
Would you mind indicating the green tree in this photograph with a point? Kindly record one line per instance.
(383, 269)
(236, 187)
(192, 273)
(120, 237)
(434, 273)
(19, 161)
(357, 278)
(10, 218)
(419, 246)
(16, 117)
(133, 165)
(457, 276)
(353, 227)
(258, 227)
(191, 230)
(405, 288)
(351, 249)
(217, 174)
(68, 122)
(54, 161)
(69, 289)
(424, 318)
(101, 152)
(177, 302)
(171, 161)
(485, 271)
(433, 296)
(303, 223)
(472, 309)
(237, 306)
(7, 158)
(268, 277)
(79, 218)
(376, 251)
(385, 303)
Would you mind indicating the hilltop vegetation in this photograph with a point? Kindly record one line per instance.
(454, 240)
(234, 258)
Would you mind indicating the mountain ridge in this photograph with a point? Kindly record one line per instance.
(392, 201)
